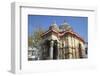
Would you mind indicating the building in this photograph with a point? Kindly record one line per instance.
(32, 53)
(62, 43)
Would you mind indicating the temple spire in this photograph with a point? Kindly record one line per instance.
(54, 23)
(65, 22)
(54, 26)
(65, 26)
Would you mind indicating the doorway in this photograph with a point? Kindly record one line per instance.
(55, 49)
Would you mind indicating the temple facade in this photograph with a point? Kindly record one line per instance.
(62, 43)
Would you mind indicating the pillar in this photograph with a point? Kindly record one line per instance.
(77, 53)
(51, 49)
(70, 53)
(57, 50)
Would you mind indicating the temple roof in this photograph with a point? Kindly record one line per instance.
(54, 26)
(65, 27)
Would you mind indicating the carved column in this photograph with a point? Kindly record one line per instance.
(70, 53)
(57, 50)
(77, 53)
(51, 49)
(83, 53)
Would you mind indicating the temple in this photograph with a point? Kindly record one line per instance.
(62, 43)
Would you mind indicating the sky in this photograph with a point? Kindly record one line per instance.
(79, 24)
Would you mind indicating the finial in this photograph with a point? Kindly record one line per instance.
(64, 21)
(54, 22)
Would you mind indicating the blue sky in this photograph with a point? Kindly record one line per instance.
(79, 24)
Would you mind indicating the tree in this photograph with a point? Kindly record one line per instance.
(35, 38)
(30, 42)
